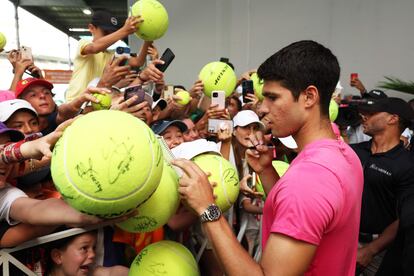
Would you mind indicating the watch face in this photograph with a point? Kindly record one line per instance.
(213, 212)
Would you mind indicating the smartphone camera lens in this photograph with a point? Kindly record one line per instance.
(119, 50)
(215, 95)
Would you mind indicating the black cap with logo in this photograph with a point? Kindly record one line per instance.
(105, 20)
(390, 105)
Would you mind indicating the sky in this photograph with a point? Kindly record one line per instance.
(43, 38)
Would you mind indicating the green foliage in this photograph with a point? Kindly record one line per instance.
(397, 85)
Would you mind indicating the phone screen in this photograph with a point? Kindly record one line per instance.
(167, 57)
(247, 88)
(135, 90)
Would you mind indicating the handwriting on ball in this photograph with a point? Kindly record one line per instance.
(119, 157)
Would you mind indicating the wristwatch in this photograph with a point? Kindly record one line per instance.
(212, 213)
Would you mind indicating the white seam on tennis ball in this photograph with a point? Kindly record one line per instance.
(133, 192)
(223, 183)
(182, 256)
(140, 3)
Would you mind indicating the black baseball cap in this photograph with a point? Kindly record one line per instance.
(105, 20)
(375, 94)
(160, 126)
(390, 105)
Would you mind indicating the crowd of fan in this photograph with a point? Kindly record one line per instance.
(31, 123)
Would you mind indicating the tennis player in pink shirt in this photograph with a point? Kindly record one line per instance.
(311, 214)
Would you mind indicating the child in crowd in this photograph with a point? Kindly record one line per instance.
(172, 131)
(75, 256)
(19, 114)
(92, 56)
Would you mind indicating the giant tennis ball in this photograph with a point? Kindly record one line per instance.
(155, 18)
(185, 97)
(157, 210)
(218, 76)
(107, 163)
(167, 258)
(281, 167)
(105, 101)
(333, 110)
(257, 86)
(224, 174)
(3, 41)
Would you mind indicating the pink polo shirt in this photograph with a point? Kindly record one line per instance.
(318, 201)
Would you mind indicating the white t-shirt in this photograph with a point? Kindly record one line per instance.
(8, 195)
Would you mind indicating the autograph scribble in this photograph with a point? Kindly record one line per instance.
(87, 172)
(138, 259)
(157, 269)
(119, 156)
(230, 177)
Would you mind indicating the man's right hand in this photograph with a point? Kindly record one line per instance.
(260, 158)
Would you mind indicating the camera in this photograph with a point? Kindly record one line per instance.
(123, 51)
(348, 113)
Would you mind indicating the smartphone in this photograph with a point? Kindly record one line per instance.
(354, 76)
(247, 88)
(26, 52)
(167, 57)
(219, 98)
(135, 90)
(251, 183)
(215, 124)
(168, 92)
(123, 51)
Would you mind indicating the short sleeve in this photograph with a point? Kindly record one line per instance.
(8, 195)
(82, 44)
(307, 203)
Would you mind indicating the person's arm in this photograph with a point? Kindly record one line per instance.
(182, 219)
(150, 73)
(196, 92)
(281, 256)
(224, 135)
(357, 83)
(249, 207)
(23, 232)
(366, 253)
(19, 67)
(51, 211)
(140, 59)
(71, 109)
(101, 44)
(260, 160)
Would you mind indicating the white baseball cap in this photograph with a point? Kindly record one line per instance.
(8, 108)
(288, 142)
(189, 150)
(246, 117)
(161, 103)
